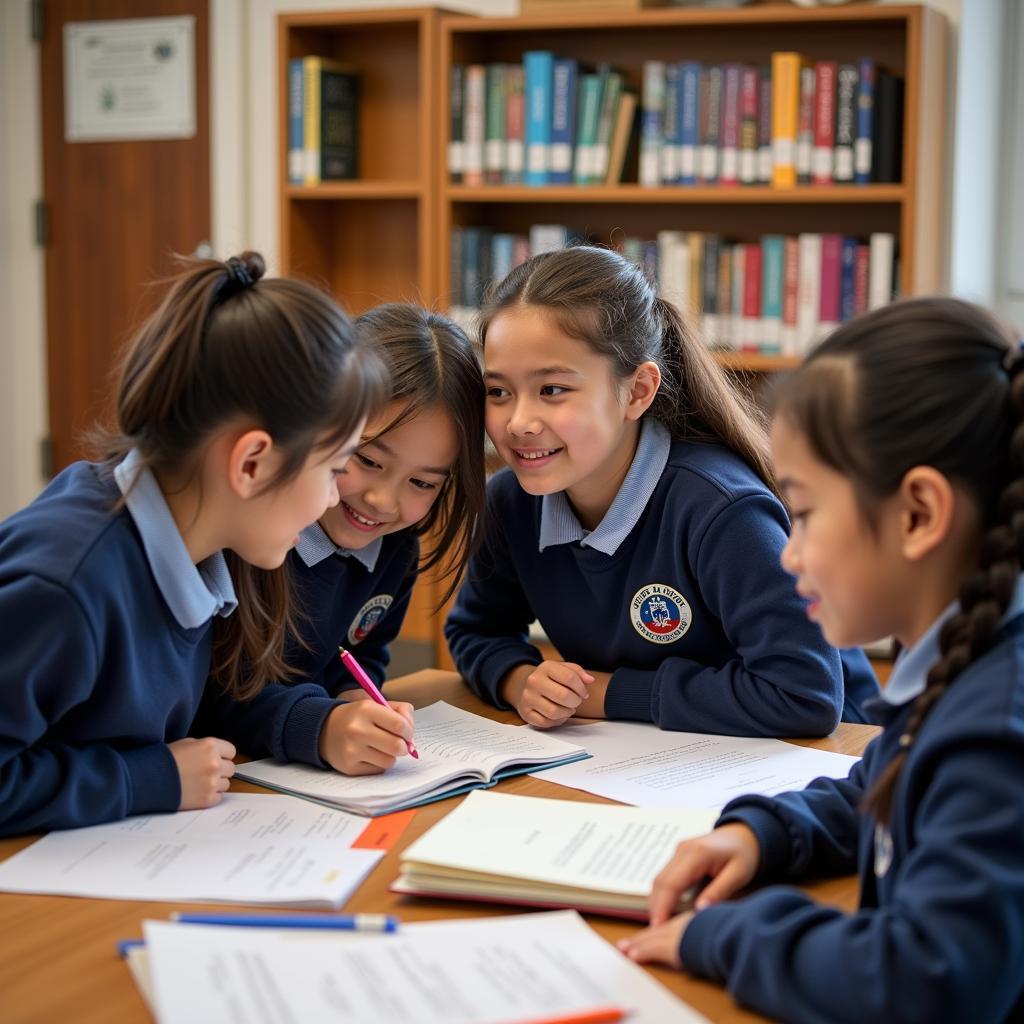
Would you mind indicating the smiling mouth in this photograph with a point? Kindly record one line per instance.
(360, 519)
(531, 456)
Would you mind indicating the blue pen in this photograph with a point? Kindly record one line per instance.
(348, 922)
(125, 945)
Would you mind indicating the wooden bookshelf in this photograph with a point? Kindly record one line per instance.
(387, 235)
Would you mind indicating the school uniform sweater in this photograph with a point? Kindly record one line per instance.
(353, 599)
(98, 675)
(678, 593)
(939, 935)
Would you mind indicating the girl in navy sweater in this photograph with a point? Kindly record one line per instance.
(418, 472)
(130, 582)
(638, 523)
(900, 446)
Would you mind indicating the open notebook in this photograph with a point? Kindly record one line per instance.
(458, 750)
(548, 853)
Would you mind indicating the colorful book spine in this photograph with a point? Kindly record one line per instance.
(824, 121)
(846, 122)
(790, 291)
(738, 288)
(624, 137)
(751, 329)
(805, 126)
(773, 258)
(456, 105)
(726, 333)
(673, 269)
(865, 120)
(668, 168)
(710, 261)
(589, 111)
(689, 122)
(729, 171)
(764, 126)
(831, 282)
(605, 124)
(748, 126)
(311, 119)
(515, 149)
(539, 68)
(847, 283)
(473, 125)
(785, 116)
(652, 124)
(710, 116)
(563, 120)
(808, 301)
(296, 154)
(861, 276)
(494, 125)
(502, 255)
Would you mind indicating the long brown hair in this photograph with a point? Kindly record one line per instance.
(601, 298)
(926, 382)
(223, 344)
(433, 363)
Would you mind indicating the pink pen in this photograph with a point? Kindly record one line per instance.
(369, 686)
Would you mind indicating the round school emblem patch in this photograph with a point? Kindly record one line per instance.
(659, 613)
(369, 615)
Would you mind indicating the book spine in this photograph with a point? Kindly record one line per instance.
(865, 119)
(457, 284)
(339, 127)
(689, 93)
(539, 65)
(606, 121)
(848, 280)
(652, 123)
(861, 275)
(887, 141)
(668, 164)
(880, 266)
(710, 123)
(726, 333)
(730, 162)
(474, 125)
(751, 339)
(773, 255)
(739, 283)
(311, 118)
(805, 140)
(748, 126)
(473, 244)
(709, 290)
(494, 125)
(831, 282)
(514, 114)
(808, 303)
(846, 117)
(785, 117)
(547, 238)
(586, 134)
(456, 86)
(824, 121)
(765, 156)
(790, 292)
(673, 278)
(502, 255)
(623, 137)
(296, 169)
(563, 120)
(695, 248)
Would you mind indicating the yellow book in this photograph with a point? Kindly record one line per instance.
(311, 67)
(785, 116)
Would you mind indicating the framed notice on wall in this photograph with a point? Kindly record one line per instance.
(130, 79)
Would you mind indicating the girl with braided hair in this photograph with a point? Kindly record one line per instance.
(900, 447)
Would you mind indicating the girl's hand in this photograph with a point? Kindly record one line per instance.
(204, 767)
(366, 738)
(547, 694)
(729, 856)
(659, 943)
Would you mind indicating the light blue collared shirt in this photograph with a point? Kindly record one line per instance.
(314, 546)
(558, 522)
(910, 670)
(194, 593)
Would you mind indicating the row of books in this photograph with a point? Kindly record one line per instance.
(777, 296)
(552, 121)
(323, 121)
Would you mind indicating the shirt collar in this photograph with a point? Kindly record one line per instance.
(558, 522)
(910, 670)
(314, 546)
(194, 593)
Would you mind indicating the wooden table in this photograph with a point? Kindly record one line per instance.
(57, 954)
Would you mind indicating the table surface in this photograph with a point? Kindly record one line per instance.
(57, 954)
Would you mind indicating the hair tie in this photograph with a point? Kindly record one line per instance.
(238, 273)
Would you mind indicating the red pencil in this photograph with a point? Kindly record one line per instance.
(596, 1015)
(369, 686)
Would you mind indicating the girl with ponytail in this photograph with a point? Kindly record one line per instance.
(638, 522)
(900, 448)
(141, 620)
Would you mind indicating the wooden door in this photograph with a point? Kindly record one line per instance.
(117, 212)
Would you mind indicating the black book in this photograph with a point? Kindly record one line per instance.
(887, 137)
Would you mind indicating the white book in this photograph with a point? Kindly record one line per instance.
(674, 269)
(651, 128)
(249, 848)
(880, 257)
(808, 296)
(553, 853)
(458, 750)
(548, 238)
(473, 124)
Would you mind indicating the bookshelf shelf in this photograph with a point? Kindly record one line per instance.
(753, 362)
(677, 195)
(357, 190)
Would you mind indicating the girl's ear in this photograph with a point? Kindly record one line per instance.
(252, 462)
(927, 507)
(642, 390)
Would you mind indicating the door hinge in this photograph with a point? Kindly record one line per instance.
(38, 24)
(42, 223)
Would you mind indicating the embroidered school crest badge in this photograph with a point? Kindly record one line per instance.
(369, 615)
(659, 613)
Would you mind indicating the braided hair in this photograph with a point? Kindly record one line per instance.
(926, 382)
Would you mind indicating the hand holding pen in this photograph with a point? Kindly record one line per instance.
(369, 687)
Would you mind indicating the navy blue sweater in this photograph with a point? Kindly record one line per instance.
(344, 603)
(98, 677)
(939, 935)
(750, 662)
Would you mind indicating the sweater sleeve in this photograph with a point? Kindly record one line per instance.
(47, 672)
(784, 679)
(948, 947)
(488, 629)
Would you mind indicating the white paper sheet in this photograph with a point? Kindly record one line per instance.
(646, 766)
(250, 848)
(453, 972)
